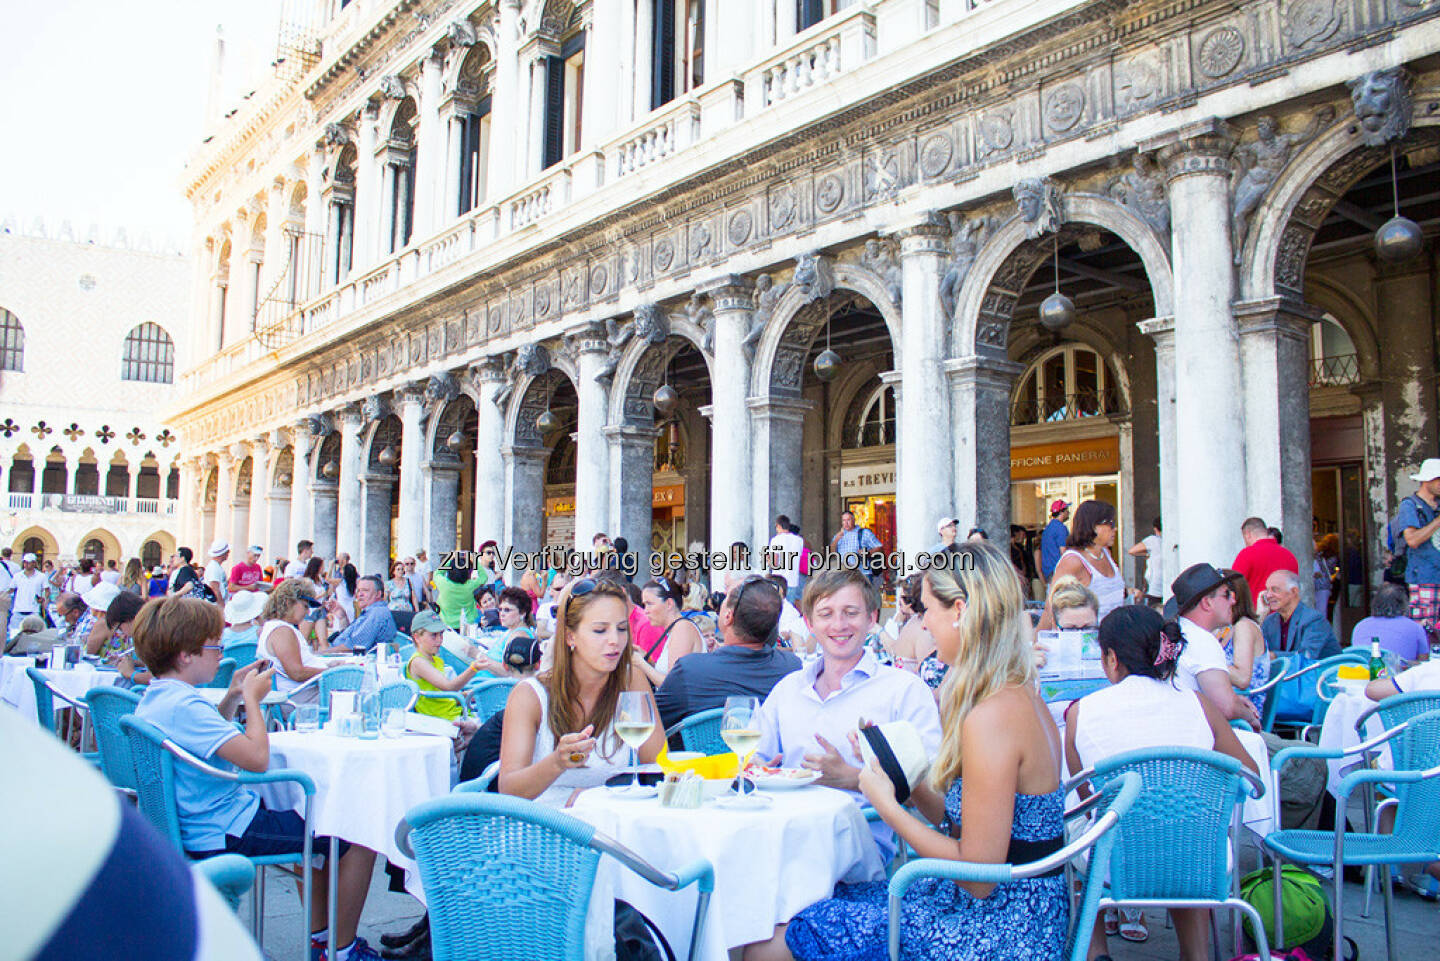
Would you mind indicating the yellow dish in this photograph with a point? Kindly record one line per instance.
(1352, 672)
(711, 767)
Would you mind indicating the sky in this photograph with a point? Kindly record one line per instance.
(104, 102)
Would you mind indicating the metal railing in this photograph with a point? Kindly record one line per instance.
(1076, 406)
(1337, 371)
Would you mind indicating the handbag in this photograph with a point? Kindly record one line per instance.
(637, 938)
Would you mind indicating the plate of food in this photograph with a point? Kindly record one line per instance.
(783, 779)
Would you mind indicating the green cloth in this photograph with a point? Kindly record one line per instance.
(434, 706)
(457, 601)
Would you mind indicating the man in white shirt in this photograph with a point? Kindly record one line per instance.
(782, 556)
(28, 585)
(7, 587)
(792, 627)
(215, 577)
(809, 716)
(1152, 548)
(303, 552)
(1203, 602)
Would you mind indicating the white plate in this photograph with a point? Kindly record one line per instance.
(778, 782)
(629, 792)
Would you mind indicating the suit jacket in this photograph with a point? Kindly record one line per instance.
(1309, 634)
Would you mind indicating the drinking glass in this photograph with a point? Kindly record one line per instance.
(307, 718)
(634, 722)
(370, 718)
(394, 725)
(740, 730)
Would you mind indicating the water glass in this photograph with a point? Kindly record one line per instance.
(349, 725)
(394, 725)
(307, 718)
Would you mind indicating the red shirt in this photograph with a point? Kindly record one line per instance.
(1261, 559)
(245, 575)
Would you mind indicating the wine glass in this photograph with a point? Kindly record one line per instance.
(634, 722)
(740, 730)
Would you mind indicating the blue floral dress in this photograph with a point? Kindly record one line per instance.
(1021, 920)
(1259, 671)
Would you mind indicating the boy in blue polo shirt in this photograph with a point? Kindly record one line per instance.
(179, 639)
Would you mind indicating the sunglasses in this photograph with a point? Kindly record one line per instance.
(745, 585)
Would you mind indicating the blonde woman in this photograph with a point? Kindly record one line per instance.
(995, 789)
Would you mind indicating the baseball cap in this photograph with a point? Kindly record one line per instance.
(28, 557)
(427, 621)
(522, 652)
(256, 549)
(1428, 471)
(945, 522)
(1058, 506)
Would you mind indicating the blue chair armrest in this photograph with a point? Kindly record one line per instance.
(307, 784)
(913, 871)
(1331, 754)
(1356, 778)
(700, 872)
(1240, 724)
(871, 815)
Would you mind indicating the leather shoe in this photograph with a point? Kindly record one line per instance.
(416, 950)
(405, 937)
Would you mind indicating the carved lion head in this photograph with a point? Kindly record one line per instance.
(1383, 106)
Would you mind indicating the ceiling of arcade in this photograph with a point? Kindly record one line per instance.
(1112, 73)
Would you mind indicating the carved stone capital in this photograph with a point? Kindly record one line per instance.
(1203, 148)
(587, 339)
(351, 417)
(489, 370)
(730, 292)
(930, 235)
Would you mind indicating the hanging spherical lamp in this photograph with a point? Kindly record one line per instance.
(827, 365)
(666, 399)
(455, 441)
(547, 422)
(331, 470)
(1057, 312)
(388, 456)
(1399, 239)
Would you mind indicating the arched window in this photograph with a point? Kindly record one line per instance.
(150, 555)
(12, 342)
(36, 546)
(1333, 361)
(1068, 383)
(149, 355)
(870, 420)
(94, 549)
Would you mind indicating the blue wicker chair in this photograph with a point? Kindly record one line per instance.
(1099, 840)
(509, 880)
(1279, 667)
(701, 732)
(1415, 750)
(224, 671)
(1295, 688)
(154, 756)
(489, 697)
(1173, 851)
(481, 784)
(231, 874)
(397, 694)
(45, 696)
(107, 706)
(243, 653)
(344, 677)
(461, 698)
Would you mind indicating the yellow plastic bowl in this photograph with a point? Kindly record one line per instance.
(1352, 672)
(711, 767)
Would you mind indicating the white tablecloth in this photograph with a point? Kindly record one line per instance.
(1338, 732)
(363, 789)
(17, 691)
(769, 863)
(1259, 813)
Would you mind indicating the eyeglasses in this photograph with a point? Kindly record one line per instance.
(212, 647)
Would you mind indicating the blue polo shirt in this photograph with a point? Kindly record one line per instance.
(209, 807)
(1422, 564)
(1052, 545)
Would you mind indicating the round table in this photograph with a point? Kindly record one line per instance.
(17, 690)
(362, 788)
(769, 862)
(1338, 732)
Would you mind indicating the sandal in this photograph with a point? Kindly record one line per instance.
(1132, 926)
(1111, 922)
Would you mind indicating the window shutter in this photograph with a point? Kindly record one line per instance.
(554, 110)
(662, 61)
(467, 169)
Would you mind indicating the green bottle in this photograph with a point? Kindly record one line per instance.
(1377, 663)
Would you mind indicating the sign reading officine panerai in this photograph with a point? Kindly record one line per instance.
(1095, 455)
(866, 480)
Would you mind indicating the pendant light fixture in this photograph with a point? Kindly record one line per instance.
(1399, 239)
(1057, 311)
(666, 398)
(827, 364)
(455, 441)
(388, 456)
(547, 421)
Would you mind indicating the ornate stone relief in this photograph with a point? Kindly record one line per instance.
(997, 131)
(1311, 21)
(1143, 191)
(533, 359)
(881, 258)
(782, 207)
(462, 33)
(742, 224)
(814, 276)
(336, 135)
(829, 192)
(1037, 200)
(376, 407)
(392, 87)
(936, 152)
(1383, 105)
(699, 240)
(1064, 106)
(1221, 51)
(440, 389)
(703, 317)
(767, 296)
(967, 236)
(1258, 165)
(882, 174)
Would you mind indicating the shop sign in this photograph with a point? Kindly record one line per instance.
(669, 495)
(559, 505)
(1095, 455)
(868, 479)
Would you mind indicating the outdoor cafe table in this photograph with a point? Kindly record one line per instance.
(1337, 731)
(770, 861)
(18, 692)
(362, 787)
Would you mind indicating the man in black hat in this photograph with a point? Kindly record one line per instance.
(1203, 602)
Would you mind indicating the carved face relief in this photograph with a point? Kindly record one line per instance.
(829, 193)
(1383, 105)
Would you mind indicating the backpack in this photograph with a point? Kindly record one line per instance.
(1309, 925)
(637, 938)
(1395, 534)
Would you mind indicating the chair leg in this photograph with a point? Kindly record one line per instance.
(1245, 911)
(1388, 897)
(1369, 888)
(1339, 901)
(259, 902)
(1279, 918)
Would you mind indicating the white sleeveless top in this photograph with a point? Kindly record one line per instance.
(596, 770)
(1139, 712)
(308, 658)
(1109, 591)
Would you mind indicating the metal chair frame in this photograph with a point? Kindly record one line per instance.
(45, 695)
(107, 705)
(231, 874)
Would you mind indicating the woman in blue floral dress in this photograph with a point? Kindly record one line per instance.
(1007, 807)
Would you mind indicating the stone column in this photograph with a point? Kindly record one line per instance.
(189, 506)
(524, 496)
(535, 132)
(602, 87)
(1407, 364)
(366, 228)
(592, 458)
(324, 496)
(258, 532)
(276, 255)
(731, 450)
(132, 480)
(302, 443)
(632, 460)
(278, 499)
(644, 57)
(490, 465)
(347, 517)
(224, 498)
(777, 440)
(980, 418)
(507, 107)
(1378, 482)
(429, 149)
(315, 219)
(925, 464)
(1162, 331)
(376, 550)
(1209, 403)
(411, 530)
(444, 507)
(447, 204)
(237, 304)
(1275, 367)
(239, 528)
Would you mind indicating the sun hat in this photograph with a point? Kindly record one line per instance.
(1429, 470)
(244, 606)
(427, 621)
(98, 598)
(945, 522)
(219, 548)
(522, 652)
(897, 748)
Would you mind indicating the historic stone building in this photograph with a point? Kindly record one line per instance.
(446, 220)
(88, 332)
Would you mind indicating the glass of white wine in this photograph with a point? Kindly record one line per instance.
(740, 730)
(634, 722)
